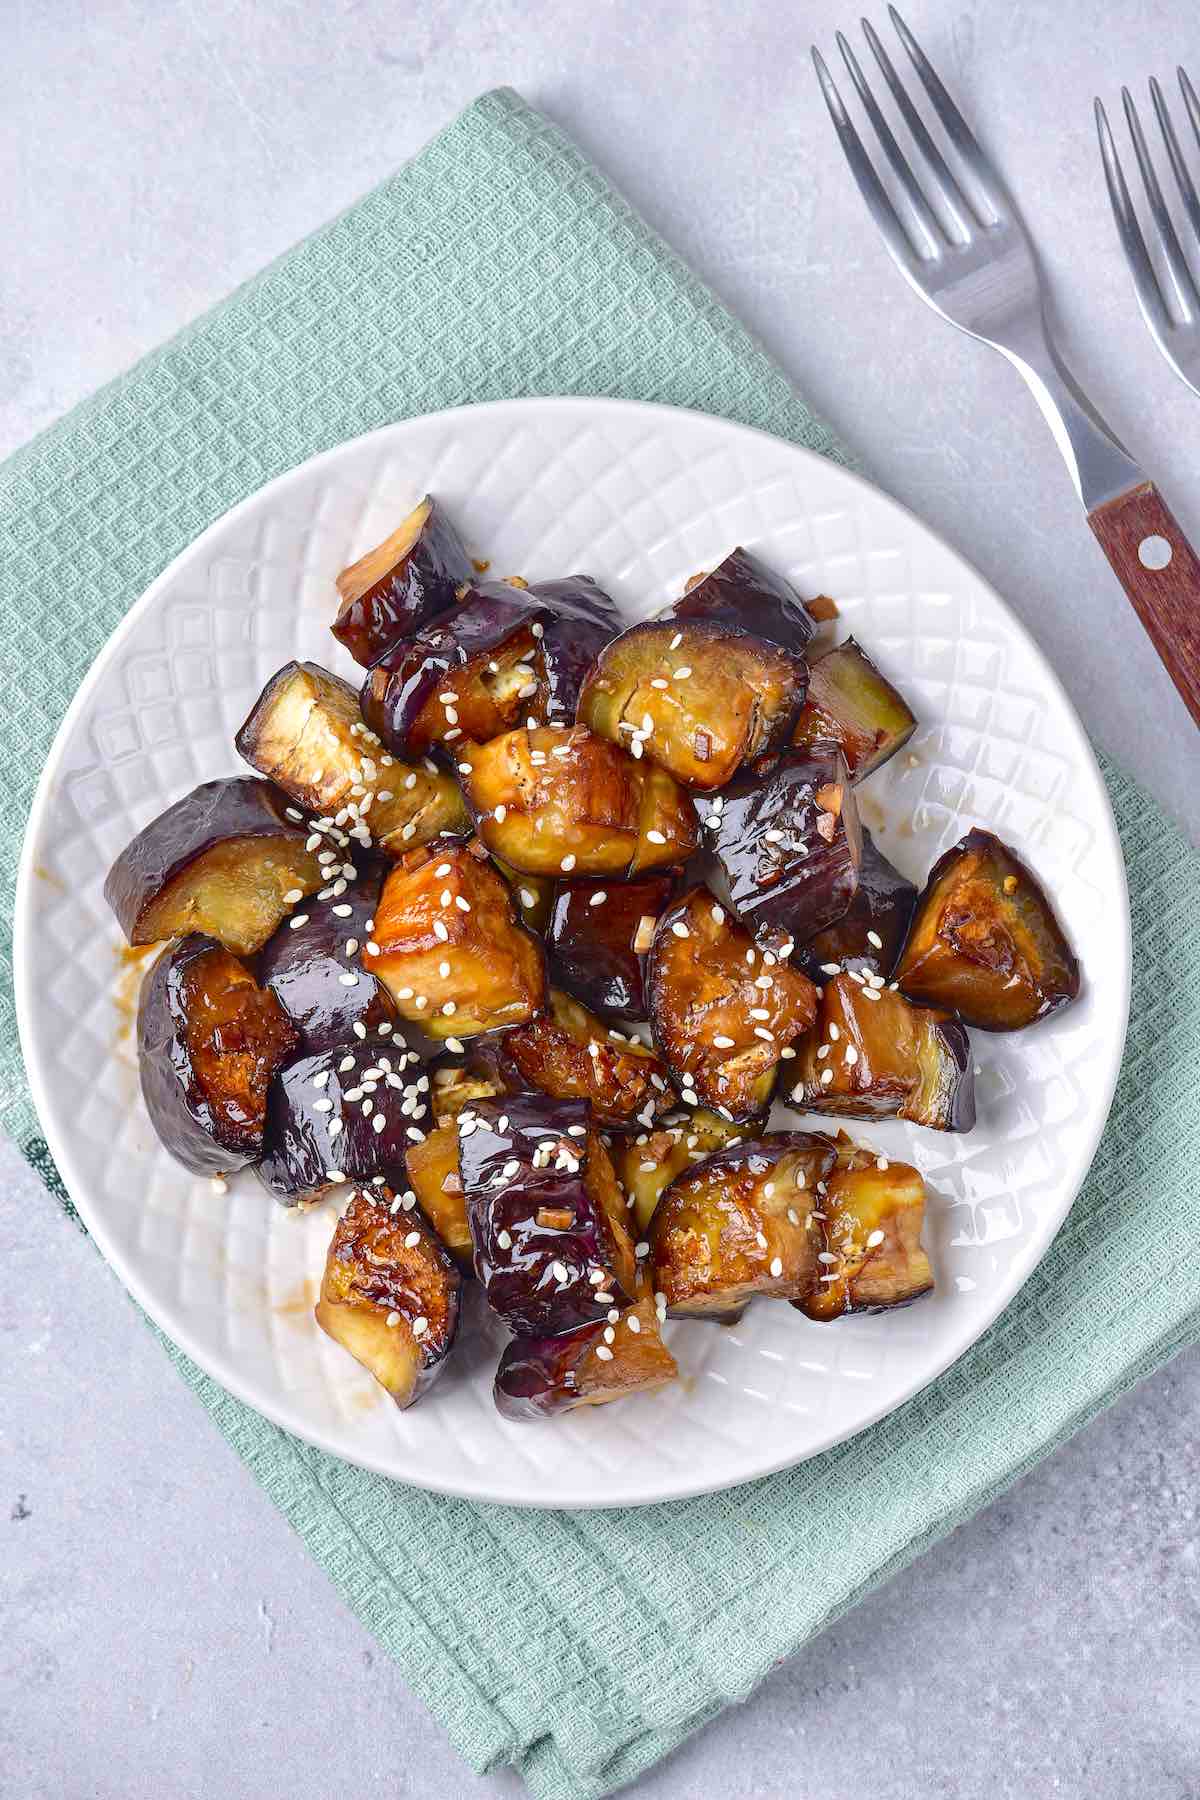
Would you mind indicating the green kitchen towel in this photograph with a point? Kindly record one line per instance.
(581, 1647)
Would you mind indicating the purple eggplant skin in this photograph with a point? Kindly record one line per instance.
(883, 904)
(179, 1107)
(537, 1277)
(742, 590)
(400, 683)
(578, 621)
(234, 808)
(591, 946)
(303, 967)
(786, 834)
(321, 1119)
(386, 597)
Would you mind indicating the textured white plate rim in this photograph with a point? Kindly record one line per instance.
(223, 1369)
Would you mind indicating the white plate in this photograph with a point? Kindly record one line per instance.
(639, 496)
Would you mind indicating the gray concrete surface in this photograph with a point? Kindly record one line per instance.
(163, 1632)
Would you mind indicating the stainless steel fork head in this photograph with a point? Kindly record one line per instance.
(959, 241)
(1171, 308)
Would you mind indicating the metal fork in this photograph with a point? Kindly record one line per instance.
(959, 241)
(1172, 315)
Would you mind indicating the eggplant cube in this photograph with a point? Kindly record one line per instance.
(349, 1114)
(469, 675)
(305, 732)
(563, 801)
(648, 1164)
(869, 934)
(308, 964)
(873, 1055)
(593, 936)
(225, 861)
(724, 1013)
(590, 1366)
(743, 591)
(570, 1054)
(400, 585)
(209, 1040)
(851, 704)
(546, 1215)
(787, 836)
(390, 1295)
(450, 950)
(698, 697)
(985, 942)
(874, 1211)
(435, 1179)
(741, 1224)
(578, 619)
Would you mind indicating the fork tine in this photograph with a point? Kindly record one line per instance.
(949, 192)
(861, 167)
(955, 126)
(1190, 101)
(925, 217)
(1183, 179)
(1145, 281)
(1181, 275)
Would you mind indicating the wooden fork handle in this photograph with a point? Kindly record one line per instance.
(1160, 573)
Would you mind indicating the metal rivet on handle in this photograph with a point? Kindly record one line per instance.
(1154, 552)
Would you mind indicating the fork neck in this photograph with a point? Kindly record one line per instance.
(1098, 463)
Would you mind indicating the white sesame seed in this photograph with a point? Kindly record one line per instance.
(870, 993)
(412, 1240)
(768, 1037)
(322, 1105)
(347, 1062)
(290, 812)
(874, 939)
(351, 946)
(527, 897)
(559, 1272)
(850, 1056)
(723, 1043)
(348, 980)
(299, 920)
(341, 912)
(439, 931)
(335, 1128)
(313, 841)
(567, 864)
(835, 1032)
(334, 1175)
(454, 1045)
(777, 1266)
(360, 1030)
(826, 1077)
(462, 905)
(659, 682)
(500, 814)
(675, 641)
(635, 750)
(680, 929)
(882, 1164)
(759, 1012)
(604, 1353)
(504, 1240)
(760, 1239)
(393, 1319)
(793, 1215)
(826, 1256)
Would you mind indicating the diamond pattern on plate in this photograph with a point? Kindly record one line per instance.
(640, 497)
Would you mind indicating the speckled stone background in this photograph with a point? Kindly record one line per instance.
(163, 1634)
